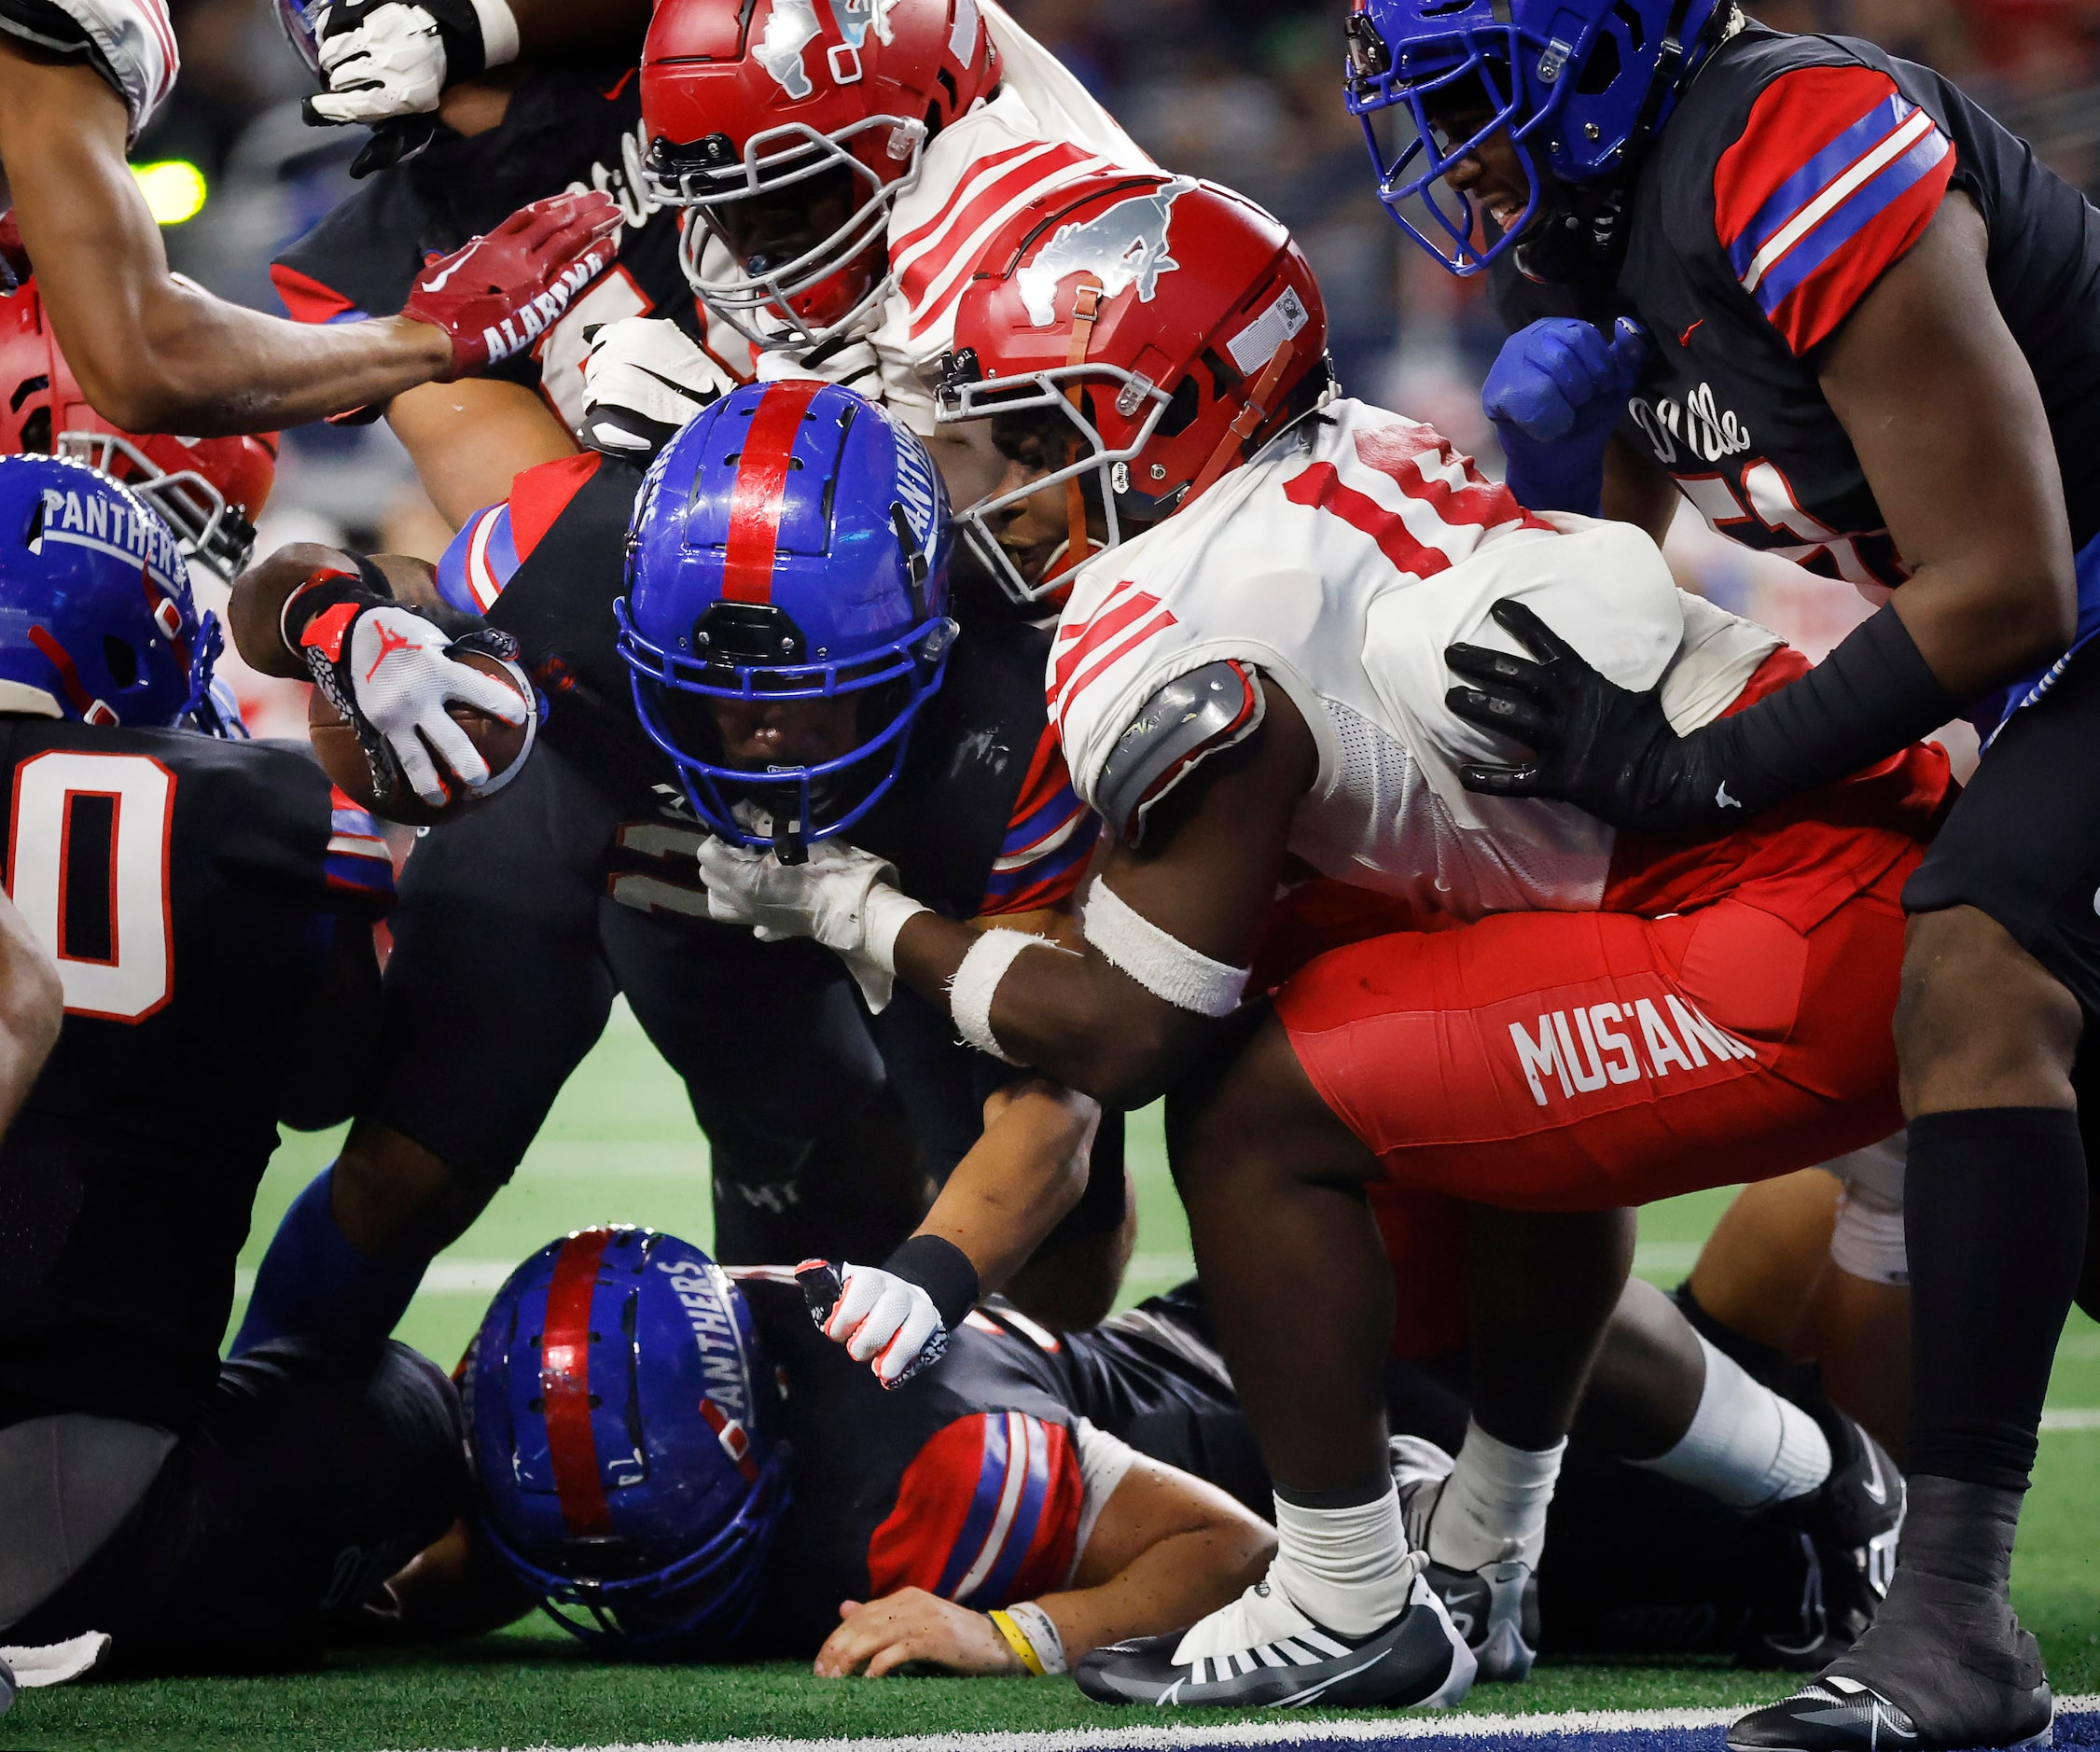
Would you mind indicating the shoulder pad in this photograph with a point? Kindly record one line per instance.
(1192, 717)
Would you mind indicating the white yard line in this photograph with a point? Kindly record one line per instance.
(1188, 1732)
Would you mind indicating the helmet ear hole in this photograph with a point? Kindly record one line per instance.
(122, 661)
(37, 431)
(1182, 410)
(1601, 67)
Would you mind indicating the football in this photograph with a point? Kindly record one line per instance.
(503, 746)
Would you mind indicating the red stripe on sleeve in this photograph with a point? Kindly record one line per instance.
(541, 493)
(564, 1382)
(305, 298)
(1103, 628)
(761, 490)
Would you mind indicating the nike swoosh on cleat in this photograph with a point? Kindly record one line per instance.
(1311, 1693)
(1875, 1487)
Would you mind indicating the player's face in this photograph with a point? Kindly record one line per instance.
(1491, 175)
(1032, 530)
(761, 733)
(769, 230)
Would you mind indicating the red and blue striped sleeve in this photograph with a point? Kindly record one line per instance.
(1836, 175)
(307, 299)
(987, 1513)
(358, 860)
(478, 562)
(1049, 839)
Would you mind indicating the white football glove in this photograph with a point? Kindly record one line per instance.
(394, 59)
(843, 898)
(887, 1322)
(402, 680)
(857, 364)
(644, 377)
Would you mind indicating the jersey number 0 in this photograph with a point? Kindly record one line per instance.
(87, 866)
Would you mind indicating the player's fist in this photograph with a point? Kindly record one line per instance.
(887, 1322)
(383, 59)
(497, 295)
(839, 895)
(1554, 393)
(644, 377)
(389, 672)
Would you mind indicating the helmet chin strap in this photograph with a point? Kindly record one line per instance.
(1086, 307)
(1245, 423)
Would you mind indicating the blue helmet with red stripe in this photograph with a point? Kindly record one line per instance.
(1578, 85)
(622, 1417)
(97, 623)
(789, 558)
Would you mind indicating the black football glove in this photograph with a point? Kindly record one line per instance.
(1596, 744)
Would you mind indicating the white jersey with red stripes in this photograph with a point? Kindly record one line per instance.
(129, 42)
(1339, 563)
(1042, 129)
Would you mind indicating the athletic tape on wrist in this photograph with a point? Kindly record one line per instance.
(1160, 962)
(969, 992)
(884, 915)
(500, 33)
(1041, 1631)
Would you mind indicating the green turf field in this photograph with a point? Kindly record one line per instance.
(621, 1147)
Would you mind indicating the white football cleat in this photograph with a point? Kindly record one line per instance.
(1494, 1608)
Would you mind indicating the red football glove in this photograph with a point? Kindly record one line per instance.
(502, 292)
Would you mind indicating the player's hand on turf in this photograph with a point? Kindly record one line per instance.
(887, 1322)
(1554, 393)
(498, 294)
(1595, 743)
(644, 377)
(912, 1625)
(402, 680)
(383, 59)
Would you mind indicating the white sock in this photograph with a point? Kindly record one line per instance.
(1346, 1568)
(1746, 1447)
(1337, 1569)
(1492, 1507)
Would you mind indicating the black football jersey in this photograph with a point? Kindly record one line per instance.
(982, 820)
(1794, 171)
(192, 889)
(572, 128)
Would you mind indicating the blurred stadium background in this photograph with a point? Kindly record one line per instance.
(1242, 91)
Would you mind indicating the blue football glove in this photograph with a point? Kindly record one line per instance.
(1554, 393)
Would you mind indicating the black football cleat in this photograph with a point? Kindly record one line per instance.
(1416, 1660)
(1495, 1609)
(1847, 1530)
(1945, 1668)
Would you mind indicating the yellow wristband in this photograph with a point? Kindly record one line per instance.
(1018, 1641)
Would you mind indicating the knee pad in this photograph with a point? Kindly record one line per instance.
(1866, 1242)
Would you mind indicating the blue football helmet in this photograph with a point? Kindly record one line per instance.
(96, 618)
(1579, 85)
(790, 544)
(620, 1417)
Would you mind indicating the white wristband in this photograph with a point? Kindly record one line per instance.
(969, 992)
(883, 915)
(1041, 1631)
(500, 33)
(1162, 964)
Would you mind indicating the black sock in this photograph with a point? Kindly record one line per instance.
(1995, 1221)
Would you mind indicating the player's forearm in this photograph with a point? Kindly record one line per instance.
(1170, 1584)
(467, 439)
(1018, 1181)
(195, 364)
(256, 613)
(1072, 1016)
(32, 1007)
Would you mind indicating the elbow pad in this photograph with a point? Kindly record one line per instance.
(1191, 717)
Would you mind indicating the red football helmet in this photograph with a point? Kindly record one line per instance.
(210, 489)
(745, 98)
(1172, 324)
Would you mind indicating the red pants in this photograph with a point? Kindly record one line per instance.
(1584, 1060)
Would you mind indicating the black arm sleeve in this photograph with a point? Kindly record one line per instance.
(1868, 699)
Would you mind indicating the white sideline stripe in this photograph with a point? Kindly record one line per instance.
(1420, 1726)
(2071, 1417)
